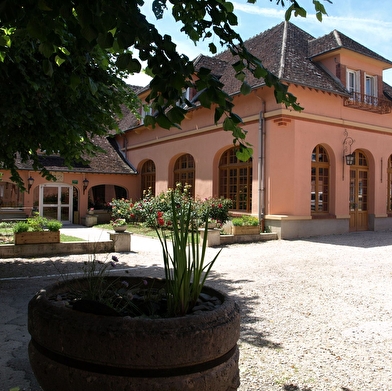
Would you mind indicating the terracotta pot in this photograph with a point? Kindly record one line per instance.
(76, 351)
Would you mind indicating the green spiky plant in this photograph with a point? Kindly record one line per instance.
(185, 268)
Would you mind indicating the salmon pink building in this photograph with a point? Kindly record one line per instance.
(324, 170)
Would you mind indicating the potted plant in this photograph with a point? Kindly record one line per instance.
(245, 225)
(107, 333)
(36, 230)
(119, 225)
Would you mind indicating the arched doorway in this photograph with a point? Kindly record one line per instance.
(359, 182)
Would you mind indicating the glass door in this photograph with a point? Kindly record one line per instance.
(56, 202)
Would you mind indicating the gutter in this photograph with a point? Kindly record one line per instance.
(261, 169)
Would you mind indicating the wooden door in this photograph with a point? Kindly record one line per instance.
(359, 173)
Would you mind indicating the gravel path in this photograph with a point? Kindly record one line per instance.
(316, 314)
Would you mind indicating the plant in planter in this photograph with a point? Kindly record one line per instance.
(245, 225)
(216, 209)
(37, 229)
(144, 334)
(119, 225)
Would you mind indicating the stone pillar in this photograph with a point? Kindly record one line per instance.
(122, 241)
(90, 220)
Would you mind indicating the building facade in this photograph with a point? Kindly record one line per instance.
(300, 180)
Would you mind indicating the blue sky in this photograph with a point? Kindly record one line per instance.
(366, 21)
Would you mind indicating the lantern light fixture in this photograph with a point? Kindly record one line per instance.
(85, 184)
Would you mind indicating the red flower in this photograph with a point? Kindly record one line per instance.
(161, 222)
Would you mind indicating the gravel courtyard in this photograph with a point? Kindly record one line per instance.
(316, 313)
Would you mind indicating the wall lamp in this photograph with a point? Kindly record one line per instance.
(85, 184)
(348, 157)
(30, 182)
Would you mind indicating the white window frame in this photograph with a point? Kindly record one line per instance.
(353, 83)
(370, 83)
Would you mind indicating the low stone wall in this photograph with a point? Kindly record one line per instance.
(51, 249)
(230, 239)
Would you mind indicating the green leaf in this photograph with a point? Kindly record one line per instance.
(134, 66)
(245, 88)
(92, 85)
(163, 121)
(176, 114)
(89, 33)
(47, 49)
(47, 67)
(123, 60)
(238, 66)
(105, 41)
(58, 60)
(212, 48)
(205, 99)
(42, 6)
(149, 120)
(74, 81)
(244, 153)
(240, 76)
(64, 50)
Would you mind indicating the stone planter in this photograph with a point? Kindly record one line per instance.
(76, 351)
(245, 230)
(90, 220)
(37, 237)
(120, 228)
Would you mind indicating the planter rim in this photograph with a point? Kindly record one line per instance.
(51, 324)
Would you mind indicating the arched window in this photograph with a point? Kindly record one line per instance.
(235, 180)
(184, 171)
(148, 177)
(389, 200)
(319, 197)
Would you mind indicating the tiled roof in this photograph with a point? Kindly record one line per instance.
(128, 120)
(336, 40)
(283, 50)
(287, 51)
(110, 162)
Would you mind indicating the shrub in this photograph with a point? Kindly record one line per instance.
(216, 209)
(157, 210)
(245, 220)
(53, 225)
(21, 226)
(121, 209)
(37, 223)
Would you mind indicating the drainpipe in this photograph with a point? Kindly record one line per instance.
(261, 169)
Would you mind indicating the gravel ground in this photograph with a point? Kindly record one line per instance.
(316, 314)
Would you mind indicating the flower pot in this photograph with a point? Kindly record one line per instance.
(120, 228)
(38, 237)
(76, 351)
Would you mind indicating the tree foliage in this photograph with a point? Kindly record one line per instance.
(63, 65)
